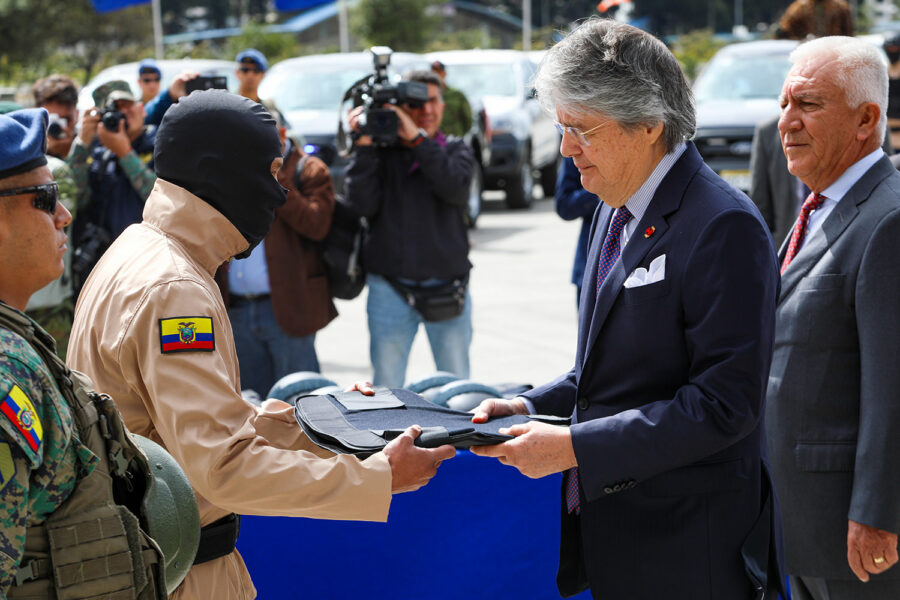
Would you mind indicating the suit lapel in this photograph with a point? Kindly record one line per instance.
(665, 201)
(835, 225)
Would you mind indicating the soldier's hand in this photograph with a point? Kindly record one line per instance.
(88, 128)
(363, 387)
(117, 141)
(497, 407)
(411, 466)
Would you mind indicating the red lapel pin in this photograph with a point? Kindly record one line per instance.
(649, 231)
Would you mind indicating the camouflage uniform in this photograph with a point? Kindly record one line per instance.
(41, 457)
(51, 306)
(457, 118)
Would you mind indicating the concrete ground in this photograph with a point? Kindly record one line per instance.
(524, 316)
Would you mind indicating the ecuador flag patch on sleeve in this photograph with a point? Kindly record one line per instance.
(19, 410)
(186, 334)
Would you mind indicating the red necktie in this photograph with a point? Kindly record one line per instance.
(812, 202)
(608, 256)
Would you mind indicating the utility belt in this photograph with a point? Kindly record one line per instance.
(218, 538)
(440, 302)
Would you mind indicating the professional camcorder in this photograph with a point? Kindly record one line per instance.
(376, 90)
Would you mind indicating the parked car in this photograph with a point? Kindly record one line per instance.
(737, 89)
(169, 68)
(523, 138)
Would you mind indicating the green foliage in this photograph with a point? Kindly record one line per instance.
(401, 24)
(462, 40)
(694, 49)
(274, 46)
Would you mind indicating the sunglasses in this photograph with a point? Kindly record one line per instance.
(46, 195)
(249, 69)
(150, 79)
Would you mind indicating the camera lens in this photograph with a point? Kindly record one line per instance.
(111, 118)
(56, 131)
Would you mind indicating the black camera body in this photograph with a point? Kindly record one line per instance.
(377, 90)
(56, 126)
(110, 117)
(206, 82)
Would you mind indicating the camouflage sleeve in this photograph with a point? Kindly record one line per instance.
(142, 177)
(14, 487)
(68, 191)
(77, 162)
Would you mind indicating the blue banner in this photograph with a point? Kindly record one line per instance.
(298, 4)
(111, 5)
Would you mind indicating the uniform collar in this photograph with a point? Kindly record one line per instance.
(207, 234)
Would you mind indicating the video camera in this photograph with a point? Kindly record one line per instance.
(376, 90)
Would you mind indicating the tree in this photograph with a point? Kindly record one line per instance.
(401, 24)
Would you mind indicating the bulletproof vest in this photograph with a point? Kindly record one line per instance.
(94, 545)
(353, 423)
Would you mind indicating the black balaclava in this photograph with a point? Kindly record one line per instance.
(220, 146)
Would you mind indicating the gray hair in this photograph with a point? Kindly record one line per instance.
(861, 71)
(621, 72)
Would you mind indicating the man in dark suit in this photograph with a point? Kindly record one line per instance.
(773, 189)
(665, 488)
(832, 401)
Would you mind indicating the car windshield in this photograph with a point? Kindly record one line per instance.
(310, 88)
(479, 80)
(735, 77)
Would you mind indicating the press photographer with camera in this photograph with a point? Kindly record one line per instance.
(51, 306)
(411, 182)
(112, 164)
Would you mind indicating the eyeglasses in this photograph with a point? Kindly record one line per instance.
(249, 69)
(150, 79)
(46, 195)
(579, 135)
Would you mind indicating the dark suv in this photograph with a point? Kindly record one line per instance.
(524, 140)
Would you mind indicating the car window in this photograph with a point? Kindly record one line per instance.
(318, 88)
(735, 77)
(478, 80)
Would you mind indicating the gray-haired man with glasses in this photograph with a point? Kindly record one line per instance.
(665, 490)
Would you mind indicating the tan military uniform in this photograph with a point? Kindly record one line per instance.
(237, 457)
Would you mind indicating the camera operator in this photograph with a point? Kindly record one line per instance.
(112, 164)
(51, 306)
(414, 194)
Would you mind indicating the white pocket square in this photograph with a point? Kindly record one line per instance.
(641, 276)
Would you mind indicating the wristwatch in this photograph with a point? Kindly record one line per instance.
(419, 138)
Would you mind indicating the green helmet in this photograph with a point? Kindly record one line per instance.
(170, 509)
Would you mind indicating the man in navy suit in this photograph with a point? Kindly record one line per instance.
(665, 489)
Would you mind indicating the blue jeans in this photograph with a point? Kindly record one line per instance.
(393, 325)
(266, 353)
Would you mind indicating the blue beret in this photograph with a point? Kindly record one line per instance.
(148, 65)
(255, 56)
(23, 141)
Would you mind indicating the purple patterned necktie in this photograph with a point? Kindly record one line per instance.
(609, 254)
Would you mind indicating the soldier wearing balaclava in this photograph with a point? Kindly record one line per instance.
(152, 331)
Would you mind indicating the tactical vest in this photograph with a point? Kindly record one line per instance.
(94, 545)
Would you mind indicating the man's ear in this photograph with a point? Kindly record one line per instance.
(869, 113)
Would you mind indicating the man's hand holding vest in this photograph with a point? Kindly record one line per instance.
(411, 466)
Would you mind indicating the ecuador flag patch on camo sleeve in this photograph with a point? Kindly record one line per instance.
(20, 411)
(186, 334)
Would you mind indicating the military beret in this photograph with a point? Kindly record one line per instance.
(23, 141)
(112, 91)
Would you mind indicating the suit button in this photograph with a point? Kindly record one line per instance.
(583, 403)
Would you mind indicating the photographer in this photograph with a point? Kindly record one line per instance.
(112, 164)
(414, 193)
(51, 306)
